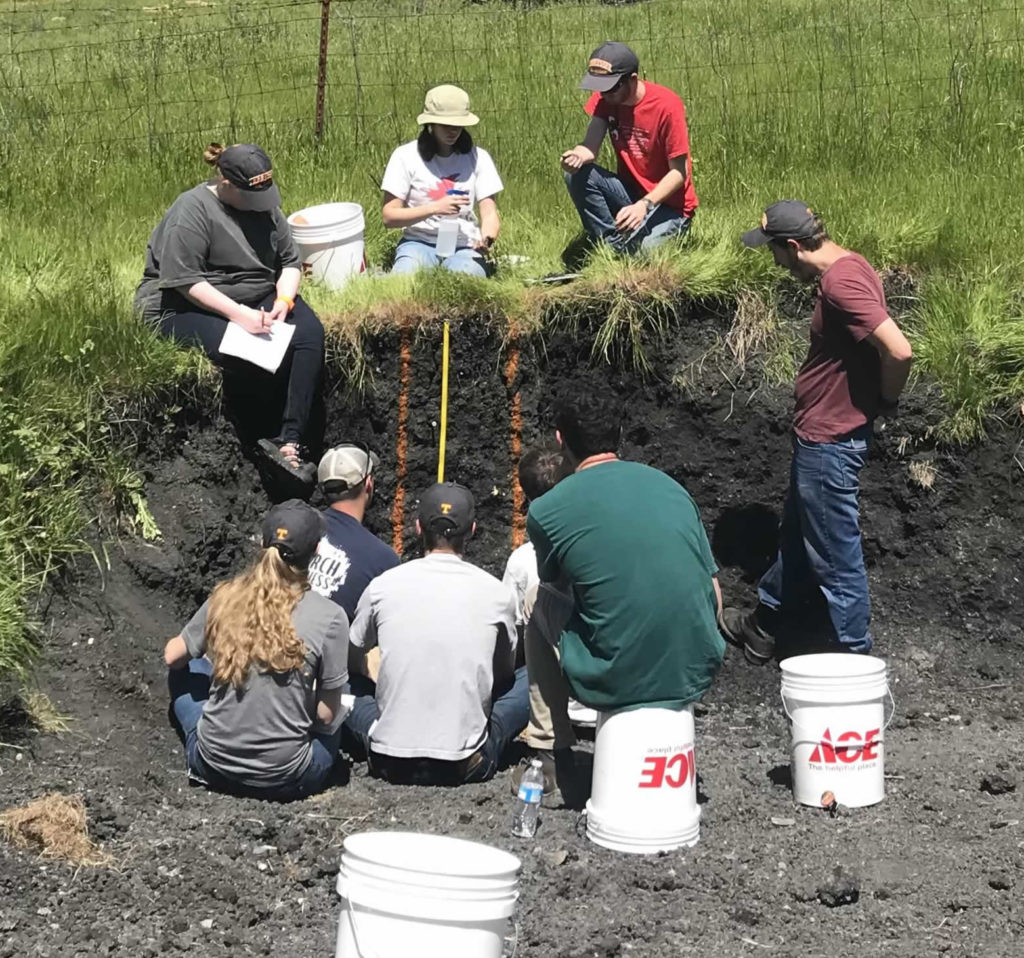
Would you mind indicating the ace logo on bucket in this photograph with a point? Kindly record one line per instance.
(847, 748)
(671, 770)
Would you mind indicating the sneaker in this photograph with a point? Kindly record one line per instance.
(292, 469)
(581, 715)
(744, 630)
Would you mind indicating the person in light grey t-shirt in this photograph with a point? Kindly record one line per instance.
(447, 701)
(257, 673)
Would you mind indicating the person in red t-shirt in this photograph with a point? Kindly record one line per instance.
(856, 368)
(651, 197)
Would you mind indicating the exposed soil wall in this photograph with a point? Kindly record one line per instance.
(936, 868)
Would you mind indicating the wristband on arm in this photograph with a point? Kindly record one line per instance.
(287, 300)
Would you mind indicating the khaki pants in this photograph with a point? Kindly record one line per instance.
(546, 613)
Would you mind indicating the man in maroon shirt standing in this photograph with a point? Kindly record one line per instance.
(856, 368)
(651, 197)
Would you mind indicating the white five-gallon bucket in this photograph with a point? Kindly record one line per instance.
(330, 241)
(836, 702)
(430, 896)
(644, 794)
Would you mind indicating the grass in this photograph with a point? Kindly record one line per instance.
(901, 121)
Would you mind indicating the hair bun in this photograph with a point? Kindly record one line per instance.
(212, 153)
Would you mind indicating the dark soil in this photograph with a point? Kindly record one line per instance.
(936, 868)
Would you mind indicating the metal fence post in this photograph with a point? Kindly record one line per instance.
(321, 72)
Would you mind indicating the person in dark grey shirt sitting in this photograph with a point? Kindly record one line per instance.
(447, 702)
(256, 676)
(223, 253)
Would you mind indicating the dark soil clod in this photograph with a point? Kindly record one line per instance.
(995, 783)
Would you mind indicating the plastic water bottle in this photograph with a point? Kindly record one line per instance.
(531, 790)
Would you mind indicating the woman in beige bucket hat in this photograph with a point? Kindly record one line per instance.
(438, 179)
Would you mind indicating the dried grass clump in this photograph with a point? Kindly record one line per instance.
(56, 826)
(923, 473)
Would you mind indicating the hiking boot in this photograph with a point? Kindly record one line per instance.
(287, 462)
(746, 630)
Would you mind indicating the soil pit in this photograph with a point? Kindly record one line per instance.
(936, 868)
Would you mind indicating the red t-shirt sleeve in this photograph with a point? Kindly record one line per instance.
(595, 106)
(677, 138)
(855, 293)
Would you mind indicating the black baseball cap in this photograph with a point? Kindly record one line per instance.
(787, 219)
(249, 168)
(294, 528)
(608, 64)
(447, 509)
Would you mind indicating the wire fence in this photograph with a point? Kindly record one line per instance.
(90, 75)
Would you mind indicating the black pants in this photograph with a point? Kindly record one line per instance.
(300, 373)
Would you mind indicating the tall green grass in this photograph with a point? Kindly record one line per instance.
(901, 121)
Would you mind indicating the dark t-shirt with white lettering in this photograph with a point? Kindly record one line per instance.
(239, 252)
(839, 385)
(347, 560)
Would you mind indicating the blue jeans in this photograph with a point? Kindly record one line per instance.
(820, 544)
(599, 195)
(190, 689)
(509, 714)
(414, 255)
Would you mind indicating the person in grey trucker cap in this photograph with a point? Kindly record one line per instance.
(223, 254)
(350, 557)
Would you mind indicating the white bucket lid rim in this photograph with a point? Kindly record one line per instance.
(842, 666)
(431, 854)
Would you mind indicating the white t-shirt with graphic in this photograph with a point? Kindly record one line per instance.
(417, 182)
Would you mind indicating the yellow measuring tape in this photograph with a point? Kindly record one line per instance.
(444, 405)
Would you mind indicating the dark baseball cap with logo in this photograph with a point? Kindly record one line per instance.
(447, 509)
(787, 219)
(249, 168)
(294, 528)
(608, 64)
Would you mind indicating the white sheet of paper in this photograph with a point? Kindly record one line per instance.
(263, 349)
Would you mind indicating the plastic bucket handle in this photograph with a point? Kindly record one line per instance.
(885, 726)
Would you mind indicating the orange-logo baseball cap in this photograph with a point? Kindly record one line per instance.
(607, 65)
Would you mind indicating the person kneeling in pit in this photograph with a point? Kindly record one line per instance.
(256, 675)
(447, 701)
(544, 608)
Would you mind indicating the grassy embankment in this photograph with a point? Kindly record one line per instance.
(900, 121)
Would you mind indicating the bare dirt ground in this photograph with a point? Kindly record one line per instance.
(937, 868)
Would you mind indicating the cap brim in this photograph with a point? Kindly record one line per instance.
(600, 84)
(258, 201)
(463, 119)
(756, 237)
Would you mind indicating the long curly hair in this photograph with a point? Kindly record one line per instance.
(249, 623)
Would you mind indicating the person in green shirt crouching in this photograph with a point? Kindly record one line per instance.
(629, 541)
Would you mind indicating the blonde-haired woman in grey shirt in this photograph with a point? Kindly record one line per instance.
(256, 675)
(223, 253)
